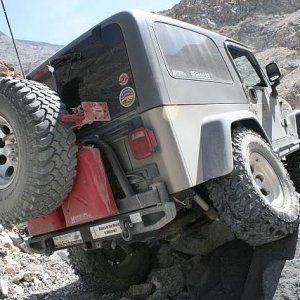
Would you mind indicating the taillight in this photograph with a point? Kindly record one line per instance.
(142, 142)
(40, 73)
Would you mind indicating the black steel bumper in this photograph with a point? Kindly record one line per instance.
(140, 216)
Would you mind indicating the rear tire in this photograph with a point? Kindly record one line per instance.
(111, 270)
(293, 168)
(257, 200)
(37, 149)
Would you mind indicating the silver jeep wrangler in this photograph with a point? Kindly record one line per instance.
(193, 128)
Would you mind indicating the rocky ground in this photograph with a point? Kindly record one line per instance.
(208, 264)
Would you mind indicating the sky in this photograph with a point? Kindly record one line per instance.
(61, 21)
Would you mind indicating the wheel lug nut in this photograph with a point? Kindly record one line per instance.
(9, 172)
(3, 159)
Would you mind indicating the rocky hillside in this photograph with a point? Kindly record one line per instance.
(270, 27)
(8, 70)
(214, 14)
(31, 53)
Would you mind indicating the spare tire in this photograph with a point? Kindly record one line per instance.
(37, 151)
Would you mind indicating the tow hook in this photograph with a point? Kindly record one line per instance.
(126, 228)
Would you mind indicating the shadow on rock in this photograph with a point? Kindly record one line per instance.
(236, 270)
(222, 274)
(77, 290)
(269, 269)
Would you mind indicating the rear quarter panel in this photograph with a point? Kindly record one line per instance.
(184, 159)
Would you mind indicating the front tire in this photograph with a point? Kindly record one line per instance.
(257, 200)
(293, 168)
(112, 270)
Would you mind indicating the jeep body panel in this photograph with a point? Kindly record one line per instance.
(196, 142)
(192, 119)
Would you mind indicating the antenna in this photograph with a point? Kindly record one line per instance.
(11, 34)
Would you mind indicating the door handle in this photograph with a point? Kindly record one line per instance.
(253, 94)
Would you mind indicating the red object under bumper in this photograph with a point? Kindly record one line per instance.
(91, 197)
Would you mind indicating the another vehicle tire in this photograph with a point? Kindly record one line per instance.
(257, 200)
(112, 270)
(293, 168)
(37, 151)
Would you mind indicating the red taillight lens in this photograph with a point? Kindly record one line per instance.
(142, 142)
(40, 73)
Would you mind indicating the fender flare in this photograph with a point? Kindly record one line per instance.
(215, 157)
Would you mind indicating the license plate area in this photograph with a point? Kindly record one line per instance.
(106, 229)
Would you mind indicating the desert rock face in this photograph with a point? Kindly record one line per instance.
(219, 13)
(8, 70)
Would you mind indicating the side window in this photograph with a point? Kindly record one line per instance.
(246, 71)
(245, 65)
(190, 55)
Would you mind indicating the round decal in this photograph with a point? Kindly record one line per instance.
(123, 79)
(127, 96)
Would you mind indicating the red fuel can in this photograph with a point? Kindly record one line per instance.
(51, 222)
(91, 197)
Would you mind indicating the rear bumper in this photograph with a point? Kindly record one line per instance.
(140, 216)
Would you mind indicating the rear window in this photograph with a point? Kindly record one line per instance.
(97, 69)
(190, 55)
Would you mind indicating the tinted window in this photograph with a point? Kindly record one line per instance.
(90, 71)
(190, 55)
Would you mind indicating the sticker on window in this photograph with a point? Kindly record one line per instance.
(127, 96)
(200, 75)
(180, 74)
(123, 79)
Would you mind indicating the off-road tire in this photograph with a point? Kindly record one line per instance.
(241, 204)
(46, 150)
(293, 168)
(94, 268)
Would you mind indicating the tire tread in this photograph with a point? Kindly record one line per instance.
(241, 206)
(53, 149)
